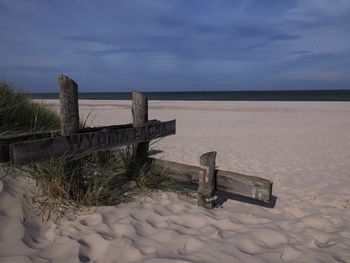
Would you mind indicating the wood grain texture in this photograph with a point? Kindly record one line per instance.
(206, 180)
(249, 186)
(140, 117)
(69, 109)
(5, 141)
(244, 185)
(69, 119)
(37, 150)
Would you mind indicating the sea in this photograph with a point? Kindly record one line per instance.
(285, 95)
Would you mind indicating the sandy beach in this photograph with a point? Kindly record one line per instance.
(303, 147)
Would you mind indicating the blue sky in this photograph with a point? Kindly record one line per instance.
(176, 45)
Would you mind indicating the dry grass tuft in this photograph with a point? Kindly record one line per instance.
(103, 178)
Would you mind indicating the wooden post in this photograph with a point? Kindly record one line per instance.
(69, 110)
(207, 180)
(140, 117)
(69, 117)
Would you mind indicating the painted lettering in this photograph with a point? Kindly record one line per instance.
(101, 138)
(112, 137)
(89, 137)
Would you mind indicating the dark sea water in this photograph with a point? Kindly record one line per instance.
(305, 95)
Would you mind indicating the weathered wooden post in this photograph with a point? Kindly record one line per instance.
(69, 117)
(69, 109)
(140, 117)
(207, 180)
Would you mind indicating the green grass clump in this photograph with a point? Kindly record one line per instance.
(102, 178)
(18, 113)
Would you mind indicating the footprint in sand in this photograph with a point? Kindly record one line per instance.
(250, 219)
(290, 254)
(190, 221)
(143, 228)
(320, 239)
(121, 230)
(295, 212)
(319, 244)
(191, 245)
(91, 219)
(175, 208)
(92, 247)
(157, 222)
(146, 250)
(269, 237)
(248, 246)
(341, 255)
(317, 222)
(227, 224)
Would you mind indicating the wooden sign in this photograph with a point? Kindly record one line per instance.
(31, 151)
(6, 140)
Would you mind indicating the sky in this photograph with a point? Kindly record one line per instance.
(176, 45)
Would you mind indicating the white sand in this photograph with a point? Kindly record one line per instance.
(303, 147)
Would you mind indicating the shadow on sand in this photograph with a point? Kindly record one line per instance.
(223, 197)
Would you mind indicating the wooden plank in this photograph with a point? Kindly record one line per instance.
(5, 141)
(113, 127)
(13, 138)
(249, 186)
(140, 117)
(33, 151)
(4, 153)
(206, 180)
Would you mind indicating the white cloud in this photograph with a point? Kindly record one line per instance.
(324, 7)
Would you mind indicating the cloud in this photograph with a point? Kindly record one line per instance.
(320, 7)
(166, 44)
(300, 52)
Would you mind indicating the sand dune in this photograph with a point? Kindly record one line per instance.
(303, 147)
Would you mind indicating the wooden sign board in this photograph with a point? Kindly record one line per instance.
(6, 140)
(32, 151)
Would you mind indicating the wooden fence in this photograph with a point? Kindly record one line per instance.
(28, 148)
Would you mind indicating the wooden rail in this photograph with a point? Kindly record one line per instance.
(32, 151)
(6, 140)
(230, 182)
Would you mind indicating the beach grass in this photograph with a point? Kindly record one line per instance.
(105, 178)
(19, 114)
